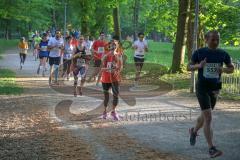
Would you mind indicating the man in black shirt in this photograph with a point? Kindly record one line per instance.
(209, 63)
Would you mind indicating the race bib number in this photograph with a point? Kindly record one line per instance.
(80, 62)
(43, 48)
(109, 66)
(210, 70)
(100, 50)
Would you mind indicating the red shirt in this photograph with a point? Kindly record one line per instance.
(99, 49)
(111, 69)
(74, 42)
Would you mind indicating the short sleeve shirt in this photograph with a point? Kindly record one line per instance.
(56, 51)
(215, 58)
(140, 51)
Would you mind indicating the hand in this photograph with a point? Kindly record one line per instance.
(203, 63)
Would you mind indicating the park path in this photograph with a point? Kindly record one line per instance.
(31, 127)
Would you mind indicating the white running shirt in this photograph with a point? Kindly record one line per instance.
(140, 51)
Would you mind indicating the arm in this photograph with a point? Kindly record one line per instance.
(228, 69)
(195, 66)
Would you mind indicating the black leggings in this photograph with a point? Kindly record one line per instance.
(22, 57)
(115, 91)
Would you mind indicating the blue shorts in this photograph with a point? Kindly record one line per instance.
(81, 70)
(43, 54)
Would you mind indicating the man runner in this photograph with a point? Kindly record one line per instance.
(209, 63)
(55, 45)
(98, 49)
(140, 46)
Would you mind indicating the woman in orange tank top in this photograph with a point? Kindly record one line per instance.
(110, 78)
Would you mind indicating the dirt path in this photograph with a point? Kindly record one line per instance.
(42, 124)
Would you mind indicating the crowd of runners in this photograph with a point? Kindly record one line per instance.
(77, 52)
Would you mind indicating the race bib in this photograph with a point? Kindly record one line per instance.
(80, 62)
(43, 48)
(109, 66)
(100, 50)
(210, 70)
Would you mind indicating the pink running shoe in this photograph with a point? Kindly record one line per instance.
(115, 116)
(104, 116)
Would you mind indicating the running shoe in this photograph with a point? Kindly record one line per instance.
(193, 136)
(115, 116)
(104, 116)
(214, 152)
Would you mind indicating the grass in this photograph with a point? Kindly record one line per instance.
(8, 84)
(6, 44)
(7, 77)
(162, 53)
(159, 60)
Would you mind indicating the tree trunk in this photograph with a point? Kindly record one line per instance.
(7, 31)
(135, 17)
(54, 18)
(179, 49)
(116, 20)
(190, 27)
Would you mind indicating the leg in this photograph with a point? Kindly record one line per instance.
(115, 90)
(199, 124)
(207, 114)
(24, 57)
(56, 67)
(75, 75)
(106, 87)
(21, 58)
(97, 64)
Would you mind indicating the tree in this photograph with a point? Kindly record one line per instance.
(116, 20)
(179, 48)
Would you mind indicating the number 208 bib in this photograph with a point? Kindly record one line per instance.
(210, 70)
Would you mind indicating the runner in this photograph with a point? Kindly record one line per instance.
(67, 57)
(74, 41)
(43, 54)
(110, 78)
(140, 46)
(209, 63)
(30, 39)
(79, 62)
(88, 44)
(98, 52)
(37, 40)
(23, 47)
(55, 45)
(119, 50)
